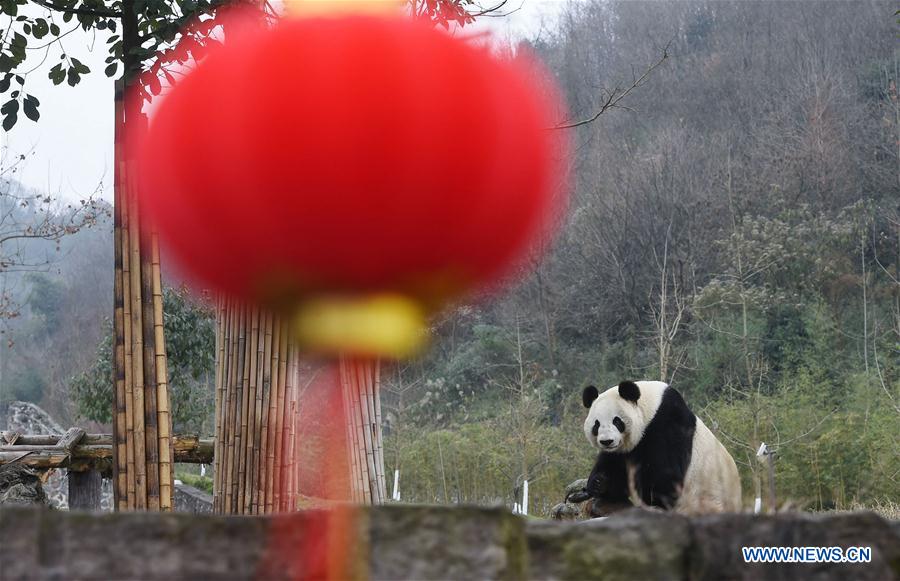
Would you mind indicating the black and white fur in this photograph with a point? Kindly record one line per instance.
(646, 428)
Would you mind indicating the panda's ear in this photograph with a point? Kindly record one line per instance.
(588, 396)
(628, 390)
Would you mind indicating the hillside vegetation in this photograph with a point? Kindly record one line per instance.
(734, 231)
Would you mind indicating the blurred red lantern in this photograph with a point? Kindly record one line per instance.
(352, 157)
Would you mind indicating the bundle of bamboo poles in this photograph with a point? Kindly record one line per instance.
(360, 390)
(259, 442)
(141, 421)
(256, 407)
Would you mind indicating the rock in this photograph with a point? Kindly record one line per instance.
(577, 489)
(718, 540)
(429, 542)
(566, 511)
(21, 485)
(635, 544)
(439, 542)
(190, 499)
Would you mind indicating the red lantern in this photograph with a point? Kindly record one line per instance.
(338, 159)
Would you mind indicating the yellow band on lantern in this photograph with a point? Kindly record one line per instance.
(380, 326)
(336, 7)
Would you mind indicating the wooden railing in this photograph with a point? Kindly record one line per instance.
(87, 457)
(78, 451)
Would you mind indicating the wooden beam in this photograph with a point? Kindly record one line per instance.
(70, 439)
(9, 438)
(188, 449)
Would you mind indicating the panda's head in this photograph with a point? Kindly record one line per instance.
(617, 417)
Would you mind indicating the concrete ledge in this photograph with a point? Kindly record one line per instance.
(426, 542)
(193, 500)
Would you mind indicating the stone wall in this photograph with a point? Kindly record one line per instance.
(193, 500)
(422, 542)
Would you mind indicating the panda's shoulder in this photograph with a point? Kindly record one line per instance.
(653, 396)
(664, 401)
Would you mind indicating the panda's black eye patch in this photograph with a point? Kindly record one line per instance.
(596, 427)
(619, 424)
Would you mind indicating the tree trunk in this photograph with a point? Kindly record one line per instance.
(84, 490)
(142, 466)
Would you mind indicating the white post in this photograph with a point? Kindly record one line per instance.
(396, 495)
(525, 498)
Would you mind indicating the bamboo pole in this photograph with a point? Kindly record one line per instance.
(363, 377)
(271, 420)
(279, 419)
(137, 351)
(120, 466)
(232, 377)
(243, 387)
(221, 322)
(151, 421)
(128, 333)
(287, 458)
(262, 456)
(356, 494)
(250, 406)
(365, 370)
(380, 437)
(163, 413)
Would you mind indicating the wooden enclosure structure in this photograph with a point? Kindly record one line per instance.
(86, 457)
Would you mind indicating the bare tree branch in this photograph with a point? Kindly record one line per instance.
(615, 96)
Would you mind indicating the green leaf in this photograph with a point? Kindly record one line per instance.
(72, 77)
(40, 28)
(11, 106)
(153, 84)
(4, 84)
(9, 121)
(111, 69)
(30, 107)
(10, 111)
(54, 29)
(57, 74)
(80, 66)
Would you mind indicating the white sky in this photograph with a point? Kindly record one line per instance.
(70, 149)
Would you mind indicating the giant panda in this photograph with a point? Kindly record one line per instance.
(647, 429)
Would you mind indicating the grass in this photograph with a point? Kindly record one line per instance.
(204, 483)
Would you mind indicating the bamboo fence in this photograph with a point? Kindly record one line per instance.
(141, 421)
(260, 452)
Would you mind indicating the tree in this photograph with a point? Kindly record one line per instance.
(190, 337)
(28, 217)
(146, 41)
